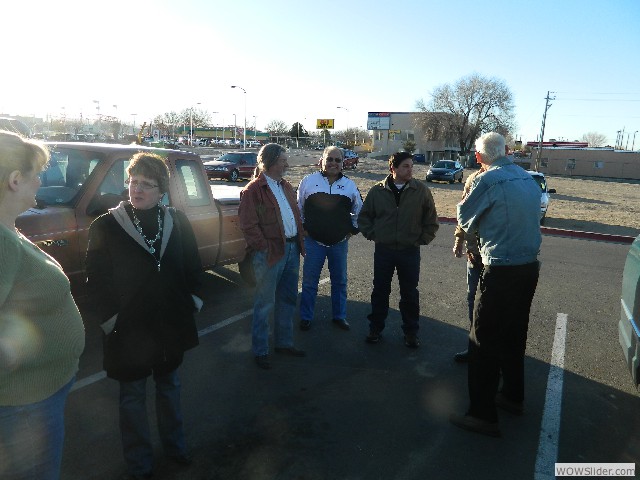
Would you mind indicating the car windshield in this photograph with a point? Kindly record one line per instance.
(64, 175)
(442, 164)
(230, 157)
(541, 181)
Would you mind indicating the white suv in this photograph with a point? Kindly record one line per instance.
(544, 198)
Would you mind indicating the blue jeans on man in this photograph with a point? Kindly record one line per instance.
(134, 424)
(336, 255)
(277, 292)
(32, 436)
(407, 263)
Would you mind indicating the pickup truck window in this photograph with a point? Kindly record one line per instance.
(64, 176)
(193, 182)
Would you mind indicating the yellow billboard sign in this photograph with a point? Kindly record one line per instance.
(323, 123)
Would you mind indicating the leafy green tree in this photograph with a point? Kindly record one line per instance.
(465, 110)
(409, 146)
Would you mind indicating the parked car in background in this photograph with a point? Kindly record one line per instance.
(350, 159)
(445, 171)
(629, 324)
(232, 166)
(544, 198)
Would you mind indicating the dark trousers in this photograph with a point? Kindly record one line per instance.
(498, 336)
(407, 263)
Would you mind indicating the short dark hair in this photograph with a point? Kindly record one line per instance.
(397, 158)
(150, 165)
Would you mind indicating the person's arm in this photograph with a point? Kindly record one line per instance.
(249, 220)
(366, 217)
(100, 283)
(473, 206)
(191, 258)
(430, 223)
(356, 207)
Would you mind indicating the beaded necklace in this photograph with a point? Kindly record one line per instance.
(149, 242)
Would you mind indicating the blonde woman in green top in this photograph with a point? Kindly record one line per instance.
(41, 331)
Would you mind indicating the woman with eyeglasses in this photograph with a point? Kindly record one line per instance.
(41, 331)
(329, 203)
(143, 273)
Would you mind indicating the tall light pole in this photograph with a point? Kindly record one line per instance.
(634, 140)
(134, 122)
(345, 108)
(235, 128)
(254, 129)
(191, 126)
(244, 141)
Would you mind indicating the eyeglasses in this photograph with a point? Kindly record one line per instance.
(331, 159)
(135, 184)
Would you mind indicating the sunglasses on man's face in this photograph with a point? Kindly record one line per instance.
(331, 159)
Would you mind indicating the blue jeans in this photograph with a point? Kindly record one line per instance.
(313, 263)
(134, 424)
(277, 293)
(407, 264)
(31, 438)
(473, 277)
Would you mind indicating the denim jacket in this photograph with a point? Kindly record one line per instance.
(504, 207)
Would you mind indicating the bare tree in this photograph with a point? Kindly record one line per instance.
(277, 128)
(465, 110)
(594, 139)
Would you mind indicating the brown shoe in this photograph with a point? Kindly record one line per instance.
(515, 408)
(474, 424)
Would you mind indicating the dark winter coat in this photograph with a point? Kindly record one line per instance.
(154, 305)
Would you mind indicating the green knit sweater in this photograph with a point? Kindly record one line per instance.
(41, 331)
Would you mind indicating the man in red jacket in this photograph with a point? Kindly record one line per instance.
(272, 227)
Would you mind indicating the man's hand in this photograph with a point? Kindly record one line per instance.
(457, 248)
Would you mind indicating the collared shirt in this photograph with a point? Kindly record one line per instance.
(504, 207)
(288, 219)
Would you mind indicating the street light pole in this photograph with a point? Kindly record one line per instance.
(254, 129)
(235, 128)
(244, 141)
(345, 108)
(634, 140)
(134, 122)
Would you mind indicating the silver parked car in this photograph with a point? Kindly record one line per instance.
(544, 196)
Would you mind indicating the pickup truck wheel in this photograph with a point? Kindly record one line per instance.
(233, 177)
(460, 179)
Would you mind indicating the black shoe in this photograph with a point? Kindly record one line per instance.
(183, 459)
(305, 325)
(462, 357)
(340, 323)
(411, 340)
(294, 352)
(474, 424)
(515, 408)
(374, 336)
(263, 361)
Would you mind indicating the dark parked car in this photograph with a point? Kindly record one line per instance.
(446, 171)
(232, 166)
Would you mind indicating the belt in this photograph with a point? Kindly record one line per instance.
(291, 239)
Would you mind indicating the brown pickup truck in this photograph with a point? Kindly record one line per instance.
(83, 180)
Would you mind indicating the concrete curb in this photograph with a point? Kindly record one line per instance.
(559, 232)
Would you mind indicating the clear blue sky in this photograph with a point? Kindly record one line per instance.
(300, 60)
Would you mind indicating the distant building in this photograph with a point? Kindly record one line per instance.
(403, 127)
(587, 162)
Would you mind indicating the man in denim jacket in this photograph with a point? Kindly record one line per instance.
(503, 207)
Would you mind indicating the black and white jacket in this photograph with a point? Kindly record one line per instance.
(329, 211)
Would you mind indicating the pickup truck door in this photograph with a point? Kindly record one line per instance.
(191, 194)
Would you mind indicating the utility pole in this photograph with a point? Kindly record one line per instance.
(544, 119)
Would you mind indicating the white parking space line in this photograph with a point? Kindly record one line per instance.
(96, 377)
(550, 427)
